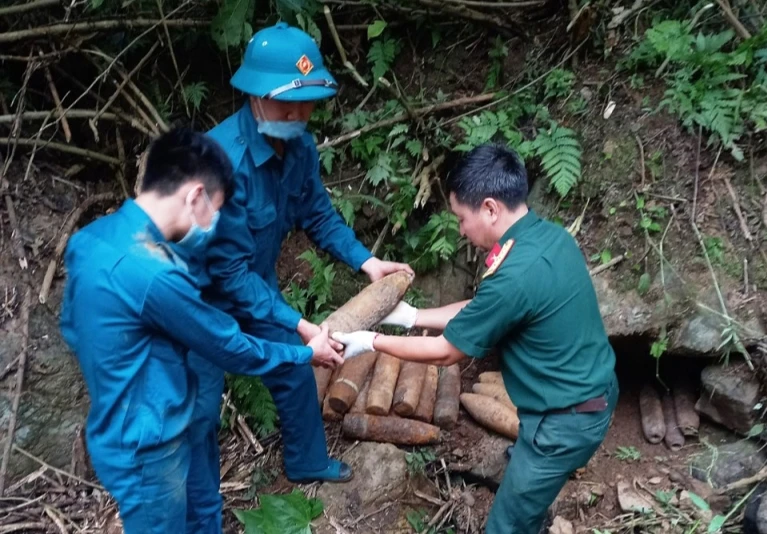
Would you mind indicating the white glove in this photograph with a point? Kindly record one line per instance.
(355, 343)
(403, 315)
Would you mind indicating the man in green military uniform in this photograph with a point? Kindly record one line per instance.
(537, 305)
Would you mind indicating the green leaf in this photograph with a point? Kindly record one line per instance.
(281, 514)
(95, 4)
(644, 284)
(699, 502)
(606, 256)
(376, 28)
(755, 430)
(231, 25)
(716, 524)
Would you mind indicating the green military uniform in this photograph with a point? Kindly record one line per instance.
(537, 305)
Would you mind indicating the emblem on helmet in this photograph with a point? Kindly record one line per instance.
(304, 65)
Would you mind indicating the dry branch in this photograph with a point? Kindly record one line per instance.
(126, 79)
(459, 102)
(29, 6)
(57, 101)
(741, 30)
(62, 244)
(63, 148)
(92, 26)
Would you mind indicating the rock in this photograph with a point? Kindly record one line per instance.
(380, 475)
(700, 334)
(731, 462)
(624, 314)
(450, 283)
(729, 396)
(560, 525)
(488, 461)
(632, 501)
(655, 480)
(54, 402)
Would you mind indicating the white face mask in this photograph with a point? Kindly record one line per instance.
(284, 130)
(197, 238)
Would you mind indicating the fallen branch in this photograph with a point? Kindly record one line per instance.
(736, 208)
(121, 85)
(56, 469)
(463, 11)
(613, 262)
(62, 148)
(341, 51)
(25, 304)
(733, 20)
(66, 232)
(72, 114)
(21, 8)
(57, 103)
(101, 25)
(172, 53)
(459, 102)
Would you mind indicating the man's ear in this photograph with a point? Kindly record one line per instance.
(492, 207)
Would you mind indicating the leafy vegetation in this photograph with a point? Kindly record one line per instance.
(711, 83)
(281, 514)
(252, 399)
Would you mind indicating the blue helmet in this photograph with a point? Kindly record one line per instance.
(284, 63)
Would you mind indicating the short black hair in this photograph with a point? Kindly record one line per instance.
(181, 155)
(489, 171)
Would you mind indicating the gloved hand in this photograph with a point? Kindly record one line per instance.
(355, 343)
(403, 315)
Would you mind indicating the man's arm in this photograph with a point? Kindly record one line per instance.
(174, 307)
(407, 316)
(476, 327)
(229, 256)
(324, 225)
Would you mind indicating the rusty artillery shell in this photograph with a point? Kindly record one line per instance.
(389, 429)
(651, 410)
(409, 386)
(448, 392)
(425, 409)
(673, 438)
(344, 389)
(369, 306)
(382, 384)
(687, 418)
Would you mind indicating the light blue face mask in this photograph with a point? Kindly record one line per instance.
(197, 238)
(284, 130)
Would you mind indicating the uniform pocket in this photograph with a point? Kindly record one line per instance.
(261, 223)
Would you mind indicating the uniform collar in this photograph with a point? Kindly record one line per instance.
(516, 229)
(260, 149)
(139, 217)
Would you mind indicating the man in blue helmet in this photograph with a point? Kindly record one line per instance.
(131, 312)
(277, 189)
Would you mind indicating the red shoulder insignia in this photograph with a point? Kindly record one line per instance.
(496, 257)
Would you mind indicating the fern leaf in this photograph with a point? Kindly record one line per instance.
(381, 169)
(414, 147)
(560, 155)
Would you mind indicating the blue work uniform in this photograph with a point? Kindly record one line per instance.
(130, 313)
(272, 196)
